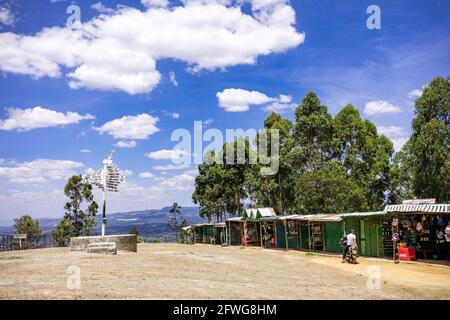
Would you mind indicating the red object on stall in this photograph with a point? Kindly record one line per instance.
(407, 254)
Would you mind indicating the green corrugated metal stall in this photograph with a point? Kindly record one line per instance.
(368, 229)
(198, 234)
(333, 232)
(281, 238)
(235, 233)
(304, 241)
(293, 234)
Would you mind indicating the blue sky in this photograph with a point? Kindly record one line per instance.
(230, 63)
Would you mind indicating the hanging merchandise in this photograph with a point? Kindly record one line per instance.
(419, 227)
(395, 222)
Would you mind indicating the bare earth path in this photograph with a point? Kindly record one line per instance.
(175, 271)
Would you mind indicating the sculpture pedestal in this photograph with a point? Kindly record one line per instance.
(124, 242)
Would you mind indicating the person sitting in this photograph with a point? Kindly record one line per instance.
(351, 241)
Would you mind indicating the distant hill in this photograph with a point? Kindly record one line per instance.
(150, 223)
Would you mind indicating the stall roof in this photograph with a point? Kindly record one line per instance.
(418, 208)
(220, 225)
(234, 219)
(255, 213)
(289, 217)
(362, 214)
(202, 224)
(318, 217)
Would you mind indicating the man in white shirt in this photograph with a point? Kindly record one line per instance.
(351, 241)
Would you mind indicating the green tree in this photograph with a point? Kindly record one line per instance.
(62, 233)
(275, 190)
(174, 222)
(328, 190)
(364, 154)
(82, 221)
(77, 221)
(26, 225)
(134, 230)
(313, 132)
(429, 144)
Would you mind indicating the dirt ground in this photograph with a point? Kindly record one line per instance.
(176, 271)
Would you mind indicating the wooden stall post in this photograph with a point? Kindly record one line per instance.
(260, 233)
(300, 234)
(309, 237)
(285, 235)
(245, 233)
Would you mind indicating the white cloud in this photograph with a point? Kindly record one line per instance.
(6, 16)
(239, 100)
(173, 78)
(131, 127)
(166, 154)
(171, 167)
(280, 107)
(39, 117)
(175, 115)
(180, 182)
(125, 144)
(126, 172)
(398, 135)
(39, 171)
(85, 151)
(155, 3)
(380, 106)
(100, 7)
(415, 93)
(146, 175)
(118, 52)
(284, 103)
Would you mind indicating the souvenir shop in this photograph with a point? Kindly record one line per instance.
(418, 231)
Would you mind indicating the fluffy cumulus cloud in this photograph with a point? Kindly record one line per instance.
(166, 154)
(415, 93)
(146, 175)
(398, 135)
(239, 100)
(155, 3)
(39, 117)
(131, 127)
(6, 16)
(100, 7)
(182, 182)
(39, 171)
(379, 107)
(125, 144)
(119, 50)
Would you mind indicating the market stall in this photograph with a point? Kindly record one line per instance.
(220, 233)
(203, 233)
(420, 227)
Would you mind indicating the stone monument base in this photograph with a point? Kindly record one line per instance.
(124, 242)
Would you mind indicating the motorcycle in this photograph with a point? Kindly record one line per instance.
(352, 255)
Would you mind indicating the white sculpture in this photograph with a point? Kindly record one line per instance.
(106, 179)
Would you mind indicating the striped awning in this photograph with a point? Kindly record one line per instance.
(421, 208)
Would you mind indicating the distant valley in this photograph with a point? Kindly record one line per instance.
(151, 224)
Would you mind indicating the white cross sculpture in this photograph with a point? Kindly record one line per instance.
(106, 179)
